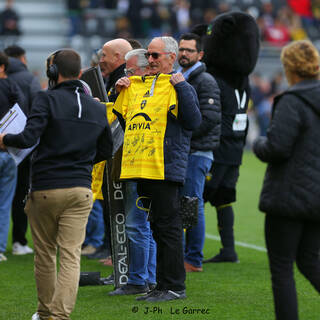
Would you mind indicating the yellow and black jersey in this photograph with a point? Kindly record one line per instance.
(98, 168)
(144, 106)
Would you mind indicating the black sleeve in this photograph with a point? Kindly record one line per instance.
(17, 96)
(104, 145)
(282, 134)
(188, 105)
(120, 118)
(209, 99)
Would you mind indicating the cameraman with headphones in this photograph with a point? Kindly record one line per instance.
(74, 134)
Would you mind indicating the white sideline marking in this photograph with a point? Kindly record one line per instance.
(238, 243)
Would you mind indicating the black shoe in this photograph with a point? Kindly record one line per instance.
(108, 281)
(146, 296)
(152, 286)
(222, 256)
(101, 253)
(129, 289)
(163, 295)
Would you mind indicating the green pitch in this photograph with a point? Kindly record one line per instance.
(222, 292)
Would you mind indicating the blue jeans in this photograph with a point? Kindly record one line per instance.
(95, 226)
(8, 179)
(198, 167)
(142, 247)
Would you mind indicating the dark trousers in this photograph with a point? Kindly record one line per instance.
(167, 230)
(19, 218)
(290, 241)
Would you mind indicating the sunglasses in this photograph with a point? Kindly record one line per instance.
(154, 55)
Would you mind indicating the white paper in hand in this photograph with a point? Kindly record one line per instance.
(14, 122)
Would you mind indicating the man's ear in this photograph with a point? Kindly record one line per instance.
(23, 59)
(201, 53)
(80, 74)
(173, 57)
(2, 71)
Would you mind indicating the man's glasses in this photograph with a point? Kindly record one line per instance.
(154, 55)
(129, 72)
(187, 50)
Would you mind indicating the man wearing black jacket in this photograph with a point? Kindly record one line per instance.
(204, 140)
(113, 63)
(30, 86)
(74, 134)
(9, 95)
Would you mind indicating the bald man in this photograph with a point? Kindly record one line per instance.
(113, 63)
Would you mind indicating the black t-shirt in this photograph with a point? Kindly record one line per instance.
(234, 123)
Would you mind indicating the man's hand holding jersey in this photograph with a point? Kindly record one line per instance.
(123, 82)
(176, 78)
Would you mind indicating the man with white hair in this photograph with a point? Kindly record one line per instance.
(158, 122)
(142, 247)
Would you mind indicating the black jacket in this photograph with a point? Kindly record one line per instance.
(114, 76)
(207, 136)
(292, 150)
(9, 95)
(74, 134)
(26, 81)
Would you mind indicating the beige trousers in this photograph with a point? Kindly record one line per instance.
(58, 219)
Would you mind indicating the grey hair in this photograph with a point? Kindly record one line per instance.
(142, 61)
(170, 44)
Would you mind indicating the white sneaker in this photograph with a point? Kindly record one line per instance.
(2, 257)
(35, 316)
(89, 249)
(19, 249)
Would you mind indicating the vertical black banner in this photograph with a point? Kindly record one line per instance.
(119, 240)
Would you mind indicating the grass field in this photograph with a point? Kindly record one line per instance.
(224, 291)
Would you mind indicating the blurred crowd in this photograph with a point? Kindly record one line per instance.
(280, 21)
(9, 20)
(263, 90)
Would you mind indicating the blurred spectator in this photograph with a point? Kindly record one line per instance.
(30, 86)
(198, 8)
(9, 21)
(95, 58)
(209, 15)
(262, 101)
(134, 16)
(123, 27)
(278, 83)
(223, 7)
(267, 15)
(295, 25)
(181, 16)
(94, 230)
(156, 19)
(309, 11)
(277, 34)
(18, 71)
(135, 44)
(9, 95)
(75, 12)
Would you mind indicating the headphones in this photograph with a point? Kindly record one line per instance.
(52, 69)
